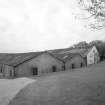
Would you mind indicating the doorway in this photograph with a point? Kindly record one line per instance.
(54, 69)
(10, 73)
(72, 66)
(35, 71)
(81, 65)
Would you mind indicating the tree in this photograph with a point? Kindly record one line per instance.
(95, 43)
(95, 10)
(100, 45)
(82, 44)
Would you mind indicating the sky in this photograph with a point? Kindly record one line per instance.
(35, 25)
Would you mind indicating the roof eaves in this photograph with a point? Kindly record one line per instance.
(53, 55)
(15, 65)
(25, 60)
(72, 57)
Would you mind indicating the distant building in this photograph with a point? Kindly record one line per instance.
(76, 61)
(72, 60)
(39, 63)
(92, 56)
(29, 64)
(79, 57)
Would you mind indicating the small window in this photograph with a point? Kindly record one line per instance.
(72, 66)
(54, 69)
(93, 51)
(91, 55)
(35, 71)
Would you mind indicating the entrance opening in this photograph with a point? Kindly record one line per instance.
(72, 66)
(1, 70)
(10, 72)
(54, 69)
(35, 71)
(81, 64)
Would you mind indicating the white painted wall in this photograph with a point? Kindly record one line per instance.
(93, 56)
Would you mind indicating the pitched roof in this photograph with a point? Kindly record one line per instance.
(19, 58)
(82, 51)
(65, 57)
(87, 51)
(15, 59)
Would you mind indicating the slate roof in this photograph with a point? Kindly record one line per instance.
(14, 59)
(18, 58)
(67, 55)
(83, 52)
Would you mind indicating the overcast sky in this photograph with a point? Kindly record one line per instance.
(34, 25)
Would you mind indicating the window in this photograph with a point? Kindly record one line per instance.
(54, 69)
(72, 66)
(94, 51)
(91, 55)
(35, 71)
(90, 61)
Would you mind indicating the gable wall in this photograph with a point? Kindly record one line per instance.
(44, 63)
(76, 60)
(93, 56)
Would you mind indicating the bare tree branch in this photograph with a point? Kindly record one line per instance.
(96, 9)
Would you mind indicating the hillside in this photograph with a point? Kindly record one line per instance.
(60, 50)
(84, 86)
